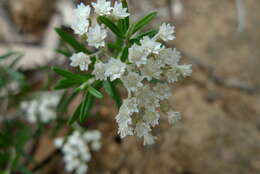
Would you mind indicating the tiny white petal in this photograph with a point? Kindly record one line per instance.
(80, 22)
(114, 68)
(166, 32)
(119, 12)
(99, 71)
(80, 60)
(150, 45)
(152, 69)
(132, 81)
(102, 7)
(138, 55)
(173, 116)
(96, 36)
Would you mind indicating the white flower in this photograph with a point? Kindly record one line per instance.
(119, 12)
(149, 139)
(162, 91)
(151, 117)
(166, 32)
(124, 121)
(58, 142)
(151, 69)
(169, 56)
(99, 71)
(132, 81)
(173, 116)
(142, 129)
(172, 75)
(150, 45)
(41, 109)
(146, 98)
(82, 169)
(96, 36)
(130, 104)
(138, 55)
(80, 21)
(76, 149)
(102, 7)
(185, 70)
(114, 69)
(80, 60)
(82, 11)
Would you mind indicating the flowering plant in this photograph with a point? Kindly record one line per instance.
(138, 60)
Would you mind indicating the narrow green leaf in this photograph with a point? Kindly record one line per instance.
(75, 115)
(126, 20)
(71, 76)
(94, 92)
(65, 101)
(124, 54)
(113, 46)
(85, 106)
(65, 83)
(8, 54)
(142, 22)
(69, 39)
(110, 25)
(112, 91)
(149, 33)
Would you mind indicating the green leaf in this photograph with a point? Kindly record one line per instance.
(65, 83)
(8, 54)
(111, 26)
(124, 54)
(86, 104)
(75, 115)
(123, 24)
(112, 91)
(94, 92)
(65, 101)
(69, 39)
(149, 33)
(113, 46)
(23, 169)
(72, 76)
(142, 22)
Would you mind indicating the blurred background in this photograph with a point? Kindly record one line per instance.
(220, 103)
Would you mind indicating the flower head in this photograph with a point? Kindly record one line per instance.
(151, 69)
(99, 71)
(150, 45)
(80, 60)
(102, 7)
(80, 22)
(169, 56)
(119, 12)
(76, 149)
(96, 36)
(166, 32)
(173, 116)
(132, 81)
(114, 69)
(138, 55)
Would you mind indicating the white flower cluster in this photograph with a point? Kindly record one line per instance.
(146, 74)
(42, 108)
(95, 34)
(76, 149)
(147, 77)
